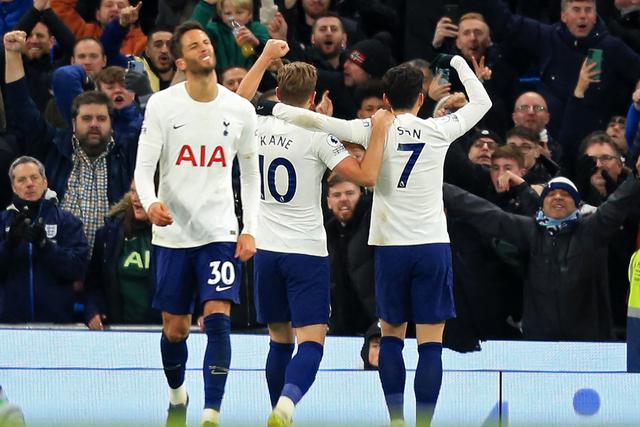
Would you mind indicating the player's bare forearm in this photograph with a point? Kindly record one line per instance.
(246, 247)
(272, 50)
(372, 161)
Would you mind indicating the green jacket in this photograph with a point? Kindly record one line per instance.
(227, 51)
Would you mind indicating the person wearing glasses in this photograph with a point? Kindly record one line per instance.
(566, 281)
(530, 111)
(600, 172)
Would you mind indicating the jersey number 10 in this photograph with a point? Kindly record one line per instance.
(271, 179)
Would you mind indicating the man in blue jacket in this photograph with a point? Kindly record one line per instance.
(559, 51)
(90, 168)
(43, 250)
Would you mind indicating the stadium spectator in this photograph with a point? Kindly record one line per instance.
(370, 351)
(119, 285)
(89, 169)
(600, 171)
(43, 250)
(352, 286)
(45, 31)
(369, 59)
(540, 168)
(106, 11)
(560, 49)
(566, 290)
(473, 42)
(216, 15)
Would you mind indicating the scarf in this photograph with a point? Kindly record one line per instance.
(554, 226)
(86, 196)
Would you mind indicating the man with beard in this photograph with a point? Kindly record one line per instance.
(473, 42)
(352, 285)
(45, 29)
(89, 169)
(197, 244)
(158, 61)
(42, 250)
(328, 43)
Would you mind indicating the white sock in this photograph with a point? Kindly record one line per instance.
(285, 406)
(178, 396)
(210, 415)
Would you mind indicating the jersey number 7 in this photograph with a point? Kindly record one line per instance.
(416, 149)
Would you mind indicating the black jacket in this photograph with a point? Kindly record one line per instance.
(566, 289)
(352, 283)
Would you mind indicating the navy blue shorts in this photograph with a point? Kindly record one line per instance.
(291, 287)
(210, 272)
(414, 283)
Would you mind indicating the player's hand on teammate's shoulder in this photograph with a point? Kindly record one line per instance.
(159, 214)
(382, 118)
(246, 247)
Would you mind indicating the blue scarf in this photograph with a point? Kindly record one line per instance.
(552, 225)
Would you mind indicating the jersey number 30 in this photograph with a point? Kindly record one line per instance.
(270, 174)
(416, 149)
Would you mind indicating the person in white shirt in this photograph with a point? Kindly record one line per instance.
(292, 266)
(408, 226)
(193, 131)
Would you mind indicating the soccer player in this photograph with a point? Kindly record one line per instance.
(291, 266)
(193, 131)
(408, 225)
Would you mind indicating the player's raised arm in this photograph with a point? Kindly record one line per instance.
(273, 50)
(479, 101)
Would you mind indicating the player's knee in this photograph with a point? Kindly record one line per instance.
(176, 333)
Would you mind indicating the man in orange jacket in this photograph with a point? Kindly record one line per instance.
(135, 41)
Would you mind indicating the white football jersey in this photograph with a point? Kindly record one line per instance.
(407, 199)
(293, 161)
(194, 144)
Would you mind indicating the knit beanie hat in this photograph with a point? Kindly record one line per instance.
(373, 56)
(561, 183)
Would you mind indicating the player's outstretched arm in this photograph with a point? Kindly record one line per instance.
(274, 49)
(356, 131)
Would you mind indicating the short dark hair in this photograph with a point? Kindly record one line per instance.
(328, 14)
(524, 133)
(598, 137)
(402, 85)
(90, 97)
(159, 29)
(334, 179)
(372, 88)
(508, 152)
(84, 39)
(176, 46)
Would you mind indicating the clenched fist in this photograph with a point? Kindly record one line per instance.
(14, 41)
